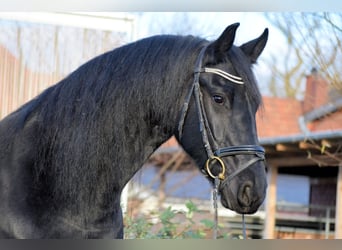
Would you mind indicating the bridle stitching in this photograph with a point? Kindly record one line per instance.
(200, 112)
(206, 125)
(226, 75)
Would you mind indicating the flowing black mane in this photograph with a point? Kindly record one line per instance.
(114, 101)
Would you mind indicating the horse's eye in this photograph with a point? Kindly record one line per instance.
(218, 99)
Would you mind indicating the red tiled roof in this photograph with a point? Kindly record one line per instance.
(278, 117)
(331, 121)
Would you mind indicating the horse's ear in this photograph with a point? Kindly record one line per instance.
(254, 48)
(221, 46)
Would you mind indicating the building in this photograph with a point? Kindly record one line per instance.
(302, 139)
(305, 138)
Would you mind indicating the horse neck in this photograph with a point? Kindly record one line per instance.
(155, 120)
(107, 147)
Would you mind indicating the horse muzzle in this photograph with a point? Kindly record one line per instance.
(244, 194)
(244, 198)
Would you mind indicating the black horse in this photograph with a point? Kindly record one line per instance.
(66, 155)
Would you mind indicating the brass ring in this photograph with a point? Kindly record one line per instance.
(220, 175)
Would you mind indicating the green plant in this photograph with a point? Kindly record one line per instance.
(138, 228)
(171, 224)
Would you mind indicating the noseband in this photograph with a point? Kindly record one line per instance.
(214, 152)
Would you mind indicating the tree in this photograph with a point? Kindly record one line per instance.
(313, 41)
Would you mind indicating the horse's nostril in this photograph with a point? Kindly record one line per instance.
(245, 194)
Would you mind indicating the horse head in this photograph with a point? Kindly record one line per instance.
(217, 124)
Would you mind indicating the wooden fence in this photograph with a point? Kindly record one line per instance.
(35, 55)
(19, 84)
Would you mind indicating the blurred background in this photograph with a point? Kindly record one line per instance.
(300, 125)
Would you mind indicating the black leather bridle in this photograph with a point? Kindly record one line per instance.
(215, 153)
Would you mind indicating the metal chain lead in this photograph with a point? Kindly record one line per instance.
(215, 194)
(243, 227)
(215, 198)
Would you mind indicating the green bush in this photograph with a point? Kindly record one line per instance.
(167, 226)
